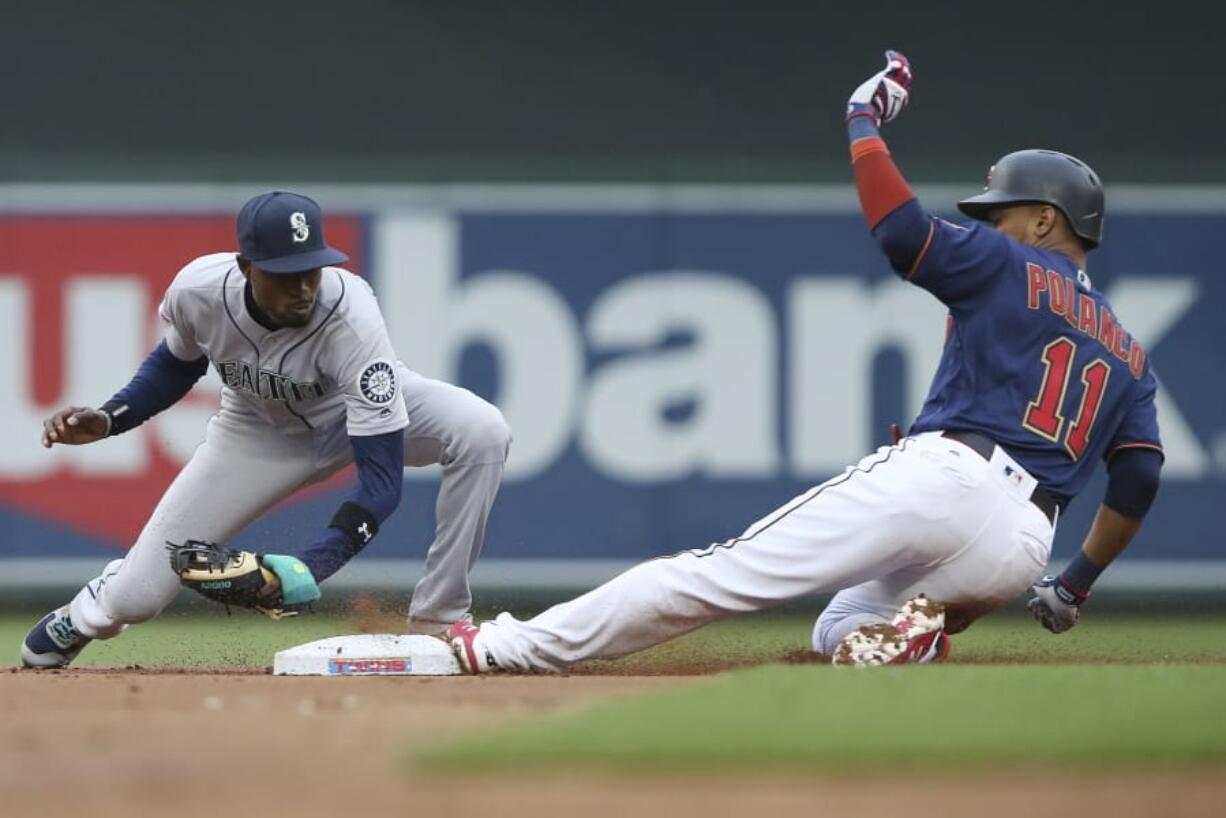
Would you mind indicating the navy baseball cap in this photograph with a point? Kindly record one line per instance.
(282, 232)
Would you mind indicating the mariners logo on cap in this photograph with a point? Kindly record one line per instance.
(298, 223)
(378, 382)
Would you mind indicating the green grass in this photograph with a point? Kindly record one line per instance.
(1119, 690)
(195, 638)
(818, 718)
(1114, 638)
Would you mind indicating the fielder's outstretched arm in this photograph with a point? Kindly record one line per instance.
(161, 381)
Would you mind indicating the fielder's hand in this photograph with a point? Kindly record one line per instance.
(276, 586)
(74, 425)
(1055, 605)
(883, 95)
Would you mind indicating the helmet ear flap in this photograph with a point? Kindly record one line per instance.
(1060, 220)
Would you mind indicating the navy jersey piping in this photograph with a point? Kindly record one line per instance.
(225, 301)
(309, 335)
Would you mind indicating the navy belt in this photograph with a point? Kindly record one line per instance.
(984, 446)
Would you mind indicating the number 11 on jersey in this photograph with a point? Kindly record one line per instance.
(1043, 415)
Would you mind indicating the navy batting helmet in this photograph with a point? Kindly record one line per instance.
(1046, 177)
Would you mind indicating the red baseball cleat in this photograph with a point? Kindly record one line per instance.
(463, 639)
(915, 636)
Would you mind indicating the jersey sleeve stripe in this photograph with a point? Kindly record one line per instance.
(1137, 445)
(863, 147)
(932, 230)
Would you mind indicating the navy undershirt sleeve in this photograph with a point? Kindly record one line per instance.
(380, 464)
(160, 382)
(380, 461)
(1132, 481)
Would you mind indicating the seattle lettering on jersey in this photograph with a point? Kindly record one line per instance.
(243, 376)
(1084, 314)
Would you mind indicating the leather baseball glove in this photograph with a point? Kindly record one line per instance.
(276, 586)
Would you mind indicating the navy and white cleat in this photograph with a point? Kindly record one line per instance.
(53, 642)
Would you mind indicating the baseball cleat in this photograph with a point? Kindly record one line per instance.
(463, 639)
(915, 635)
(53, 642)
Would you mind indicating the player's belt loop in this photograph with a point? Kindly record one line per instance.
(984, 446)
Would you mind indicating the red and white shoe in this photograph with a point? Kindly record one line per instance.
(474, 659)
(915, 636)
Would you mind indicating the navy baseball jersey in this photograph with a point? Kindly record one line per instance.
(1034, 357)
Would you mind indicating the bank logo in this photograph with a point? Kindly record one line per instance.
(763, 361)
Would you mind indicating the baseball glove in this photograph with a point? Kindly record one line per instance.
(232, 577)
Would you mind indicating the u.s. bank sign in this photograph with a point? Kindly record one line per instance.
(670, 371)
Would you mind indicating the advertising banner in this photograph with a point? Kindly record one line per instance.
(672, 371)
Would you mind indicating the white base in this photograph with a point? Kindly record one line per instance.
(380, 654)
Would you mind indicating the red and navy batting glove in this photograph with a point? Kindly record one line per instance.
(883, 95)
(1056, 605)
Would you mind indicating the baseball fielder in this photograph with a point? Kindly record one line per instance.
(310, 384)
(1037, 383)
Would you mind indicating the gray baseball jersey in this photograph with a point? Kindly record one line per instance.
(340, 364)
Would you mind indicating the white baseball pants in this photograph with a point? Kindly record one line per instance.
(244, 466)
(926, 515)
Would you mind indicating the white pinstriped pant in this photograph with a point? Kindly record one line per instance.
(925, 515)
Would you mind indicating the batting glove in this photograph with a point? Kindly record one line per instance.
(1056, 606)
(883, 95)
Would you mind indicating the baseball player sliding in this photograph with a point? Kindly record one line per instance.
(310, 384)
(1037, 383)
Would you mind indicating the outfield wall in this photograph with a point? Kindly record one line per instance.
(674, 362)
(684, 90)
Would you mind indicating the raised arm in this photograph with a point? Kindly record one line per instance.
(894, 215)
(956, 264)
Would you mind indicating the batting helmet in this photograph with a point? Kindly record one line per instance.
(1046, 177)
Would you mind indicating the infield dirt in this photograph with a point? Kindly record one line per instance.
(133, 743)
